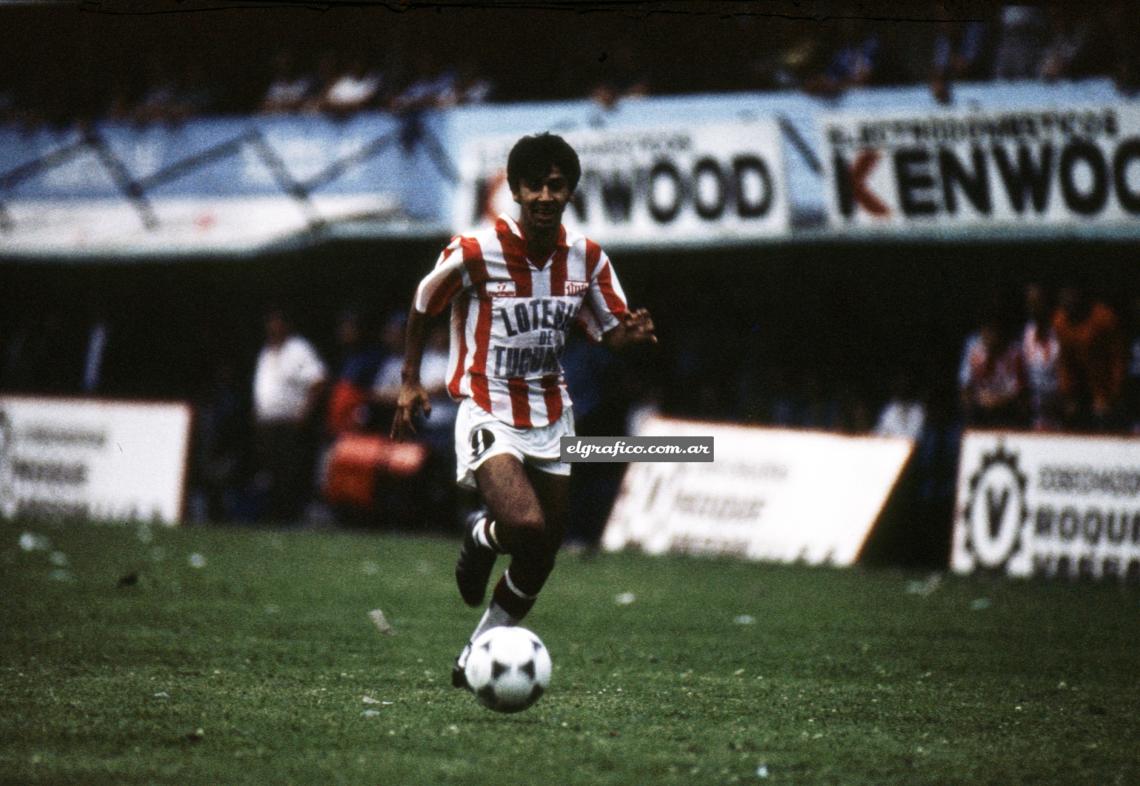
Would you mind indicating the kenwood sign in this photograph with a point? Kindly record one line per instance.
(682, 185)
(1048, 505)
(985, 168)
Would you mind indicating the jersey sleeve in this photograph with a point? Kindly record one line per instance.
(446, 279)
(604, 303)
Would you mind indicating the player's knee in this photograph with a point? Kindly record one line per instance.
(527, 537)
(525, 525)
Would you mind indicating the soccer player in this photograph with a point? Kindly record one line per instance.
(515, 292)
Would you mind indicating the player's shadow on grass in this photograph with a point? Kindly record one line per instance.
(517, 718)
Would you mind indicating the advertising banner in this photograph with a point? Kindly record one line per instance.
(183, 225)
(216, 184)
(683, 185)
(984, 168)
(101, 460)
(1048, 505)
(771, 494)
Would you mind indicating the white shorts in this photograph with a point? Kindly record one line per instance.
(480, 435)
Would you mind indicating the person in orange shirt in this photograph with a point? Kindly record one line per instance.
(1092, 362)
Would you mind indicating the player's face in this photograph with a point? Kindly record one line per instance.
(542, 202)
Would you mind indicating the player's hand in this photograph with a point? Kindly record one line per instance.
(413, 398)
(639, 327)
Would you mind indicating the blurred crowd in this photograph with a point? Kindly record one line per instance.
(297, 430)
(1072, 364)
(132, 75)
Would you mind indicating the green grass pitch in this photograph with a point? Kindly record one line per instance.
(226, 656)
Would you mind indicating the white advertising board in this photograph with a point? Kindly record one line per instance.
(1048, 505)
(221, 224)
(688, 185)
(93, 459)
(771, 494)
(983, 168)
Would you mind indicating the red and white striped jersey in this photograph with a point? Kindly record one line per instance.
(510, 317)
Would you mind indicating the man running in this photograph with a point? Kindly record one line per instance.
(515, 292)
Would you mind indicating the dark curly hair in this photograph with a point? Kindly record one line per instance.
(532, 157)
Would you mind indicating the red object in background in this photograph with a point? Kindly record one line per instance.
(344, 402)
(357, 460)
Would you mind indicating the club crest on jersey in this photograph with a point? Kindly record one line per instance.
(500, 289)
(576, 287)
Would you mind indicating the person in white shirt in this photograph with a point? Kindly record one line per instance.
(1040, 355)
(904, 414)
(287, 386)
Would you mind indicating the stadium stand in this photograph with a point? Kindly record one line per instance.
(817, 330)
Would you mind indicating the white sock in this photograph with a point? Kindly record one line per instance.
(493, 617)
(484, 534)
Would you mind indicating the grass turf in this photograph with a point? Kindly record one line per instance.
(255, 662)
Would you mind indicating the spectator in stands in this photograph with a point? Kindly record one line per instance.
(1040, 355)
(431, 86)
(287, 387)
(904, 414)
(392, 349)
(798, 62)
(173, 96)
(1021, 41)
(623, 78)
(355, 88)
(957, 55)
(221, 442)
(289, 88)
(1092, 361)
(1119, 26)
(386, 388)
(359, 362)
(853, 62)
(991, 379)
(99, 332)
(1071, 51)
(436, 483)
(157, 102)
(469, 87)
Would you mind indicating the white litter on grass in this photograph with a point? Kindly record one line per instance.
(197, 560)
(58, 558)
(744, 619)
(370, 568)
(624, 598)
(370, 713)
(762, 771)
(381, 622)
(370, 700)
(30, 541)
(980, 604)
(926, 587)
(162, 695)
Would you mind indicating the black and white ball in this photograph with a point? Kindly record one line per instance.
(508, 669)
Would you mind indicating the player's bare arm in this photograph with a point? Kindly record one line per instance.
(636, 327)
(413, 397)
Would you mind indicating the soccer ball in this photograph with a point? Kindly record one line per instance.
(508, 669)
